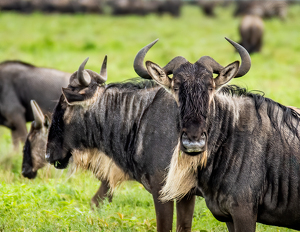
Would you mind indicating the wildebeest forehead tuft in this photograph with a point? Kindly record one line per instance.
(190, 71)
(193, 99)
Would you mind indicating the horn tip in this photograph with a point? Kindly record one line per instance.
(85, 61)
(230, 41)
(154, 42)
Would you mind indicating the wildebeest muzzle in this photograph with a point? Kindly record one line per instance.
(193, 138)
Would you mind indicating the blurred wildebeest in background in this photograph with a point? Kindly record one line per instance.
(16, 5)
(89, 6)
(251, 30)
(133, 125)
(19, 83)
(50, 6)
(262, 8)
(139, 7)
(207, 6)
(240, 149)
(35, 149)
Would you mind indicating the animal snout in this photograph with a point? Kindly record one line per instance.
(193, 146)
(29, 173)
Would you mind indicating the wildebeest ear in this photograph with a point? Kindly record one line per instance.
(158, 74)
(37, 115)
(227, 74)
(72, 96)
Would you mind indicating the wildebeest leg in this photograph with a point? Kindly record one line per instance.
(185, 210)
(164, 214)
(164, 211)
(244, 219)
(101, 194)
(18, 130)
(230, 226)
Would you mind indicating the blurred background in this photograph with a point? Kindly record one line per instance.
(60, 34)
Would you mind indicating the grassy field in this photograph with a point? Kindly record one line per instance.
(58, 201)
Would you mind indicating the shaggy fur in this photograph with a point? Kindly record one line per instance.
(101, 165)
(182, 174)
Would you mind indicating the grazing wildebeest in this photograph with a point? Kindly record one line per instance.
(35, 145)
(251, 31)
(59, 6)
(19, 83)
(16, 5)
(133, 126)
(207, 7)
(35, 150)
(88, 6)
(263, 8)
(247, 146)
(172, 7)
(138, 7)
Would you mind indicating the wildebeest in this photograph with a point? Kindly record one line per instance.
(19, 83)
(68, 6)
(251, 31)
(35, 145)
(247, 146)
(132, 125)
(138, 7)
(262, 8)
(207, 7)
(16, 5)
(35, 149)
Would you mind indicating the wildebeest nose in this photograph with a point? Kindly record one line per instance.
(193, 146)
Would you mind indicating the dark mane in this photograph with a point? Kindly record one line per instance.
(133, 84)
(258, 97)
(16, 62)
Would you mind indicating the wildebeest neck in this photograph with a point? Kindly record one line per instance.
(237, 112)
(118, 114)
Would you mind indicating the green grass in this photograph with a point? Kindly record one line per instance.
(57, 202)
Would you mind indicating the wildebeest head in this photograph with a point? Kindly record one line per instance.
(35, 144)
(81, 92)
(193, 86)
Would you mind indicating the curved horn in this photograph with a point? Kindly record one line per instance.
(103, 71)
(210, 64)
(245, 57)
(138, 63)
(37, 114)
(174, 64)
(82, 75)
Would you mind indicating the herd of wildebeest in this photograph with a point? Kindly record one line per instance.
(182, 136)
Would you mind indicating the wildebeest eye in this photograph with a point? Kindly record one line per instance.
(176, 89)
